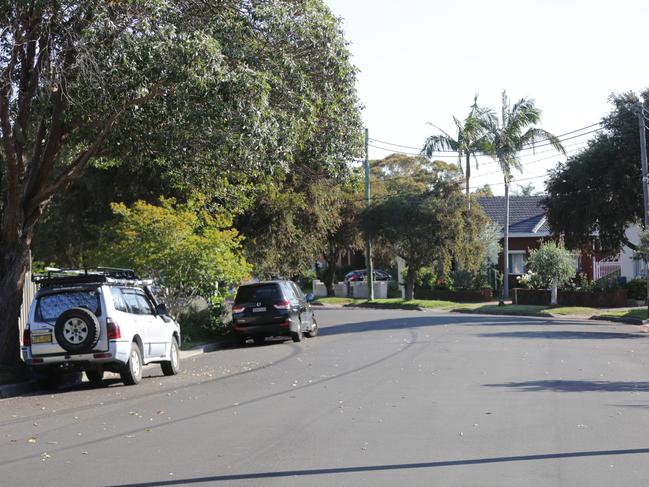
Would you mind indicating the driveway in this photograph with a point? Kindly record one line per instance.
(379, 398)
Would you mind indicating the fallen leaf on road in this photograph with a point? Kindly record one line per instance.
(31, 440)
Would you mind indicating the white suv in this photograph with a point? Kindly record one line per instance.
(99, 320)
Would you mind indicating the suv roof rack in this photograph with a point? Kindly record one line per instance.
(84, 276)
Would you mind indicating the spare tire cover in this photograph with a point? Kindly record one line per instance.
(77, 330)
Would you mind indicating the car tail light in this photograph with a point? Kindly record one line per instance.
(102, 355)
(112, 329)
(238, 309)
(286, 324)
(283, 305)
(27, 337)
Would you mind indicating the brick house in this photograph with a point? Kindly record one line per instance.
(527, 229)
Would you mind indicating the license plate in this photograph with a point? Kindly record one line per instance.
(258, 310)
(42, 338)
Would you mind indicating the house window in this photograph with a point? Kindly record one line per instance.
(639, 267)
(517, 262)
(576, 262)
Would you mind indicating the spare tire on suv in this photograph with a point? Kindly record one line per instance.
(77, 330)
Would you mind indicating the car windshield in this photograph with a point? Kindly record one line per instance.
(258, 293)
(51, 306)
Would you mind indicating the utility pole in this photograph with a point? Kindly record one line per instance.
(368, 244)
(639, 111)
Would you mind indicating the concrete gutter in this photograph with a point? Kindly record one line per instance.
(616, 319)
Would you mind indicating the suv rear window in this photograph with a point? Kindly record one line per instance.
(259, 293)
(51, 306)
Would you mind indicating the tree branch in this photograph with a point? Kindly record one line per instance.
(79, 164)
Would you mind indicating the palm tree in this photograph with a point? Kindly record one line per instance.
(506, 137)
(470, 139)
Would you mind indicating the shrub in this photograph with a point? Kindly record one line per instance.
(637, 289)
(531, 280)
(426, 278)
(463, 279)
(305, 281)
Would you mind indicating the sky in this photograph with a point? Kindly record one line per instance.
(422, 61)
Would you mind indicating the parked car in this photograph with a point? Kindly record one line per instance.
(99, 320)
(272, 308)
(361, 275)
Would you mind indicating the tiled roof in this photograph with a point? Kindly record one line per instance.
(525, 213)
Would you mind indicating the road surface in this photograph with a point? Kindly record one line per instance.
(379, 398)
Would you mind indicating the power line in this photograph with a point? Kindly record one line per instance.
(535, 161)
(580, 145)
(406, 146)
(562, 140)
(455, 152)
(473, 188)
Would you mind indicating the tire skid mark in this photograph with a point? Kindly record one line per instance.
(145, 395)
(282, 437)
(222, 408)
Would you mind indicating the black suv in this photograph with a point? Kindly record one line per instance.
(272, 308)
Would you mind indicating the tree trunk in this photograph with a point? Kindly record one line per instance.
(468, 177)
(553, 293)
(505, 292)
(330, 273)
(13, 267)
(410, 283)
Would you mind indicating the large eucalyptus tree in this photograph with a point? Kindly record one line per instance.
(220, 93)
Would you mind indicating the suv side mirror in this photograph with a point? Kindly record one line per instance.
(310, 297)
(161, 309)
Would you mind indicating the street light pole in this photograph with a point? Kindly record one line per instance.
(368, 244)
(639, 111)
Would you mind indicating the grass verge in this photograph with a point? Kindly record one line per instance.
(507, 309)
(635, 313)
(491, 308)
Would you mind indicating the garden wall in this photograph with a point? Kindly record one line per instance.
(478, 296)
(610, 299)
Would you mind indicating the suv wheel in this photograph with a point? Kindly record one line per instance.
(77, 330)
(172, 366)
(297, 336)
(132, 372)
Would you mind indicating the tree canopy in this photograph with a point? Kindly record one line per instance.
(596, 194)
(423, 219)
(188, 250)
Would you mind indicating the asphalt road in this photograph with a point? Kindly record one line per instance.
(379, 398)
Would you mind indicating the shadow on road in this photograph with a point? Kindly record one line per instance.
(575, 386)
(564, 335)
(380, 468)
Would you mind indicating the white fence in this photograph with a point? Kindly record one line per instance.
(603, 269)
